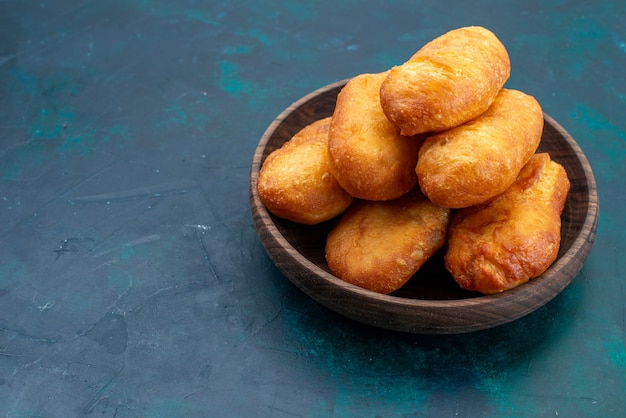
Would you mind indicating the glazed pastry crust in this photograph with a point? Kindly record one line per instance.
(472, 163)
(452, 79)
(295, 181)
(380, 245)
(515, 237)
(369, 157)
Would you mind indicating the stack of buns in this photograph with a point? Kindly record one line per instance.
(433, 153)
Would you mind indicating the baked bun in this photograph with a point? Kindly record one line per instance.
(470, 164)
(380, 245)
(295, 182)
(369, 157)
(514, 238)
(452, 79)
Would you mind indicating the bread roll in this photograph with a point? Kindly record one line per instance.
(452, 79)
(514, 238)
(295, 182)
(380, 245)
(469, 164)
(369, 157)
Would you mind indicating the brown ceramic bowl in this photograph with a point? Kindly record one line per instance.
(431, 302)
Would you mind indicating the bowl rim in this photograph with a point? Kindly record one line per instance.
(575, 254)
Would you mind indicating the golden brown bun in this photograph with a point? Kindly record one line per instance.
(295, 182)
(370, 159)
(452, 79)
(380, 245)
(515, 237)
(469, 164)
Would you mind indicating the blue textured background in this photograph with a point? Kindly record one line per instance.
(132, 281)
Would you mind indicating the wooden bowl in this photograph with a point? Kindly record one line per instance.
(431, 302)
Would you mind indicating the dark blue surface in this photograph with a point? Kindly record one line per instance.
(132, 281)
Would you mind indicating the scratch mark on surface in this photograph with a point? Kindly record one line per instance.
(89, 408)
(121, 70)
(32, 363)
(200, 227)
(139, 241)
(49, 304)
(120, 296)
(120, 227)
(56, 40)
(556, 396)
(99, 266)
(279, 349)
(206, 256)
(31, 337)
(194, 393)
(282, 412)
(89, 177)
(12, 355)
(6, 58)
(157, 190)
(267, 323)
(169, 291)
(55, 198)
